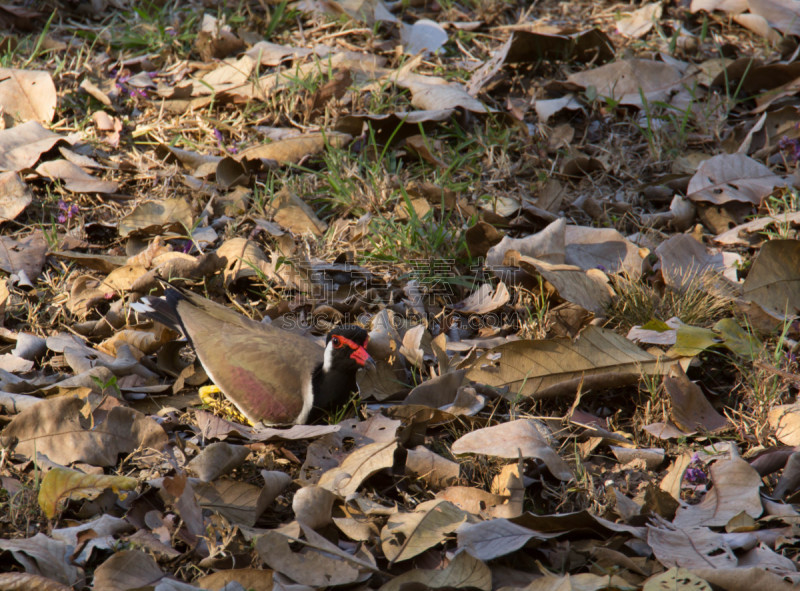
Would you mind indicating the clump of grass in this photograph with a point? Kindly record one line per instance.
(700, 302)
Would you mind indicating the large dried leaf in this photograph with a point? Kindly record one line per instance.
(61, 484)
(357, 467)
(520, 438)
(732, 177)
(152, 217)
(692, 547)
(774, 279)
(407, 534)
(309, 566)
(26, 255)
(463, 571)
(28, 582)
(74, 177)
(627, 81)
(785, 419)
(46, 557)
(28, 95)
(57, 428)
(292, 150)
(21, 146)
(15, 196)
(736, 489)
(127, 569)
(588, 289)
(598, 358)
(497, 537)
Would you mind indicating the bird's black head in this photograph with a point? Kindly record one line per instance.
(345, 349)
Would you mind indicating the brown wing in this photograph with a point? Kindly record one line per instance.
(263, 370)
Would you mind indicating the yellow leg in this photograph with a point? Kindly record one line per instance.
(206, 393)
(209, 395)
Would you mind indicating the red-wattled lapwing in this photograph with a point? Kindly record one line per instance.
(273, 377)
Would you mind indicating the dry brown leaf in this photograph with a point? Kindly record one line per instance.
(21, 146)
(640, 21)
(28, 95)
(732, 177)
(296, 215)
(690, 410)
(292, 150)
(692, 547)
(15, 196)
(774, 279)
(45, 557)
(736, 489)
(312, 505)
(252, 579)
(357, 467)
(497, 537)
(463, 571)
(437, 472)
(28, 582)
(627, 81)
(74, 177)
(57, 428)
(127, 569)
(597, 358)
(785, 420)
(217, 459)
(516, 439)
(61, 484)
(153, 217)
(309, 566)
(409, 534)
(24, 257)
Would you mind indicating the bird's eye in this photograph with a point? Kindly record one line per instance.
(337, 342)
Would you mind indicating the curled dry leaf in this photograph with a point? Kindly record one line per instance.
(516, 439)
(61, 484)
(357, 467)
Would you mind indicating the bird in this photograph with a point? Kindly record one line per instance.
(272, 376)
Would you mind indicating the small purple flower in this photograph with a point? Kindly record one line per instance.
(68, 211)
(218, 135)
(695, 476)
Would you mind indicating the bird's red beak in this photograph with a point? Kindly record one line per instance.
(363, 358)
(359, 354)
